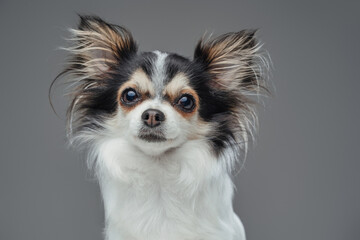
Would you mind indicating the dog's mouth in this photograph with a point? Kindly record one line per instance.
(152, 135)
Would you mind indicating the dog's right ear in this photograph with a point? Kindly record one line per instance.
(234, 61)
(99, 46)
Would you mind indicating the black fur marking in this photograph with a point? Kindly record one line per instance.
(212, 101)
(175, 64)
(146, 61)
(215, 106)
(101, 101)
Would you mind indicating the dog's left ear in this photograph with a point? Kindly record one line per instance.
(231, 60)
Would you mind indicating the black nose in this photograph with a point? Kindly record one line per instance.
(152, 117)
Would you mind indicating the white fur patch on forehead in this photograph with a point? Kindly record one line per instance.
(159, 72)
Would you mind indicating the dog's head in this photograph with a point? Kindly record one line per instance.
(158, 101)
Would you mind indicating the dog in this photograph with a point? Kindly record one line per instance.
(163, 132)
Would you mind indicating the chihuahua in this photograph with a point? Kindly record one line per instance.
(163, 132)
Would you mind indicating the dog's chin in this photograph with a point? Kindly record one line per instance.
(152, 138)
(152, 135)
(155, 144)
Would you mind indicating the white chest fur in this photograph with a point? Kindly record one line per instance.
(185, 194)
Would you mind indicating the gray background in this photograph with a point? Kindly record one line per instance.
(301, 180)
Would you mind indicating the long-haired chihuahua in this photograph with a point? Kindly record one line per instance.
(164, 132)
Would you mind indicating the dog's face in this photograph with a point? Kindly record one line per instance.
(158, 105)
(158, 101)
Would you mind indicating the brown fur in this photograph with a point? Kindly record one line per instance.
(142, 84)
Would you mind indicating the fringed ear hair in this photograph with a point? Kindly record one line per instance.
(236, 70)
(233, 60)
(98, 50)
(99, 46)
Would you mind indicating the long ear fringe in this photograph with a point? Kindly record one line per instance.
(236, 61)
(96, 48)
(238, 65)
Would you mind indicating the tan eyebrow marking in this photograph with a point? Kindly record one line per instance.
(176, 85)
(141, 83)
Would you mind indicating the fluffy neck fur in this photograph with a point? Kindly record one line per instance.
(183, 194)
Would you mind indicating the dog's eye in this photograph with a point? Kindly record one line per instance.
(130, 96)
(186, 103)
